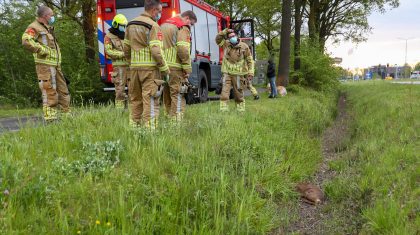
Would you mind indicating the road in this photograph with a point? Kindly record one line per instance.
(14, 123)
(412, 82)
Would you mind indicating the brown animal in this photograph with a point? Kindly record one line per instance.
(280, 89)
(310, 193)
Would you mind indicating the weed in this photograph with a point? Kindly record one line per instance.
(218, 173)
(378, 172)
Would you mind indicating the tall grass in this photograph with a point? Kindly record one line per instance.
(380, 171)
(219, 173)
(9, 111)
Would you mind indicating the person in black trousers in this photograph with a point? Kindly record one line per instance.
(271, 74)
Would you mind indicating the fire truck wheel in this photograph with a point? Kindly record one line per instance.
(203, 90)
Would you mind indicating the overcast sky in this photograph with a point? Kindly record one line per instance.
(383, 45)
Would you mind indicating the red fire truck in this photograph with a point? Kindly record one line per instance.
(205, 53)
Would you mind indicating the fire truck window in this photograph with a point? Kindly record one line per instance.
(129, 3)
(193, 44)
(131, 13)
(214, 48)
(201, 31)
(185, 6)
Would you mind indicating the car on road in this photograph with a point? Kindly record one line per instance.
(415, 75)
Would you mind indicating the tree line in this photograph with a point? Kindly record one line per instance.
(304, 26)
(310, 24)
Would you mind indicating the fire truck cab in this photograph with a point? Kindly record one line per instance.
(205, 53)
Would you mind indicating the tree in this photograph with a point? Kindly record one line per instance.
(266, 16)
(84, 14)
(17, 82)
(417, 67)
(233, 8)
(265, 13)
(407, 70)
(342, 19)
(299, 6)
(284, 61)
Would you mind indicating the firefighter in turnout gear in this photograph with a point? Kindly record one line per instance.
(114, 50)
(39, 39)
(177, 50)
(237, 68)
(143, 49)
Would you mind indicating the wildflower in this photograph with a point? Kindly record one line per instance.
(98, 222)
(78, 232)
(108, 224)
(6, 192)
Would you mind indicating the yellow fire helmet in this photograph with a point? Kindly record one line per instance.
(119, 20)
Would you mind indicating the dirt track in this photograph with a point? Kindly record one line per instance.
(311, 218)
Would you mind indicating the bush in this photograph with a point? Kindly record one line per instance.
(18, 80)
(96, 159)
(317, 69)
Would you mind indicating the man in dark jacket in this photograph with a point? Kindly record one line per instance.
(271, 74)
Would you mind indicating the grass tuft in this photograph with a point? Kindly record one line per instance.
(218, 173)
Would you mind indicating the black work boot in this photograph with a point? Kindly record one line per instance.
(257, 97)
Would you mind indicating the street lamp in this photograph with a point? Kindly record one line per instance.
(396, 71)
(406, 46)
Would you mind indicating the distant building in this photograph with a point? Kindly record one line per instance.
(261, 71)
(383, 71)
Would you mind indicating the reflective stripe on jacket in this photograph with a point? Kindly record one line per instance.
(143, 44)
(177, 44)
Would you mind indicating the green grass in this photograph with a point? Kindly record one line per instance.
(8, 111)
(377, 188)
(220, 173)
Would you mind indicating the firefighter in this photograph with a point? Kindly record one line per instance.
(237, 68)
(143, 49)
(177, 45)
(114, 49)
(39, 38)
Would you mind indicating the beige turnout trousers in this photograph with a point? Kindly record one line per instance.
(172, 98)
(119, 78)
(238, 83)
(144, 85)
(55, 93)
